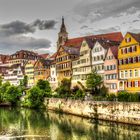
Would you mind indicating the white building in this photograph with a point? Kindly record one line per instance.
(14, 74)
(53, 73)
(81, 66)
(99, 53)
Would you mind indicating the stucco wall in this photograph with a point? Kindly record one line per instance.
(112, 111)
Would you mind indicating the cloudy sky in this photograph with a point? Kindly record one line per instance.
(34, 24)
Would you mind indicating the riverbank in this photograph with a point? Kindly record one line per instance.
(111, 111)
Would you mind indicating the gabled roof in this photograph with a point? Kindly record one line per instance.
(72, 50)
(53, 55)
(135, 36)
(45, 56)
(114, 50)
(107, 43)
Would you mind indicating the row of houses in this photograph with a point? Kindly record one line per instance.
(114, 57)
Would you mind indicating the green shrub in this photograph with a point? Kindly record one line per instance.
(12, 95)
(34, 98)
(79, 94)
(111, 97)
(64, 89)
(125, 96)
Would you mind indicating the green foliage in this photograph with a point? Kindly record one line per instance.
(0, 81)
(25, 81)
(64, 88)
(35, 98)
(3, 89)
(111, 97)
(12, 95)
(128, 97)
(103, 91)
(44, 85)
(80, 94)
(94, 82)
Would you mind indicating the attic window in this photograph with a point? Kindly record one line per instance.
(127, 40)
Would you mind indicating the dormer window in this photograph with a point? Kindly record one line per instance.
(128, 39)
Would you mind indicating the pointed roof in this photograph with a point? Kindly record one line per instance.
(63, 27)
(135, 36)
(45, 56)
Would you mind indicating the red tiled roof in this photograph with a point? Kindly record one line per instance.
(45, 56)
(116, 36)
(114, 50)
(53, 55)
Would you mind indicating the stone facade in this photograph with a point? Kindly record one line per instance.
(111, 111)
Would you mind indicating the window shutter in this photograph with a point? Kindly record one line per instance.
(131, 84)
(130, 49)
(138, 83)
(131, 60)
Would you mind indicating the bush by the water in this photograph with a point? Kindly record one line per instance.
(35, 96)
(128, 97)
(9, 93)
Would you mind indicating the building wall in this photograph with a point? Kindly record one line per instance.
(29, 71)
(63, 65)
(129, 71)
(111, 69)
(41, 72)
(81, 67)
(53, 77)
(98, 55)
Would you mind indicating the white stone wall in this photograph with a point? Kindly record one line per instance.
(112, 111)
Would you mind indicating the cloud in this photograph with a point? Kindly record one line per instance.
(14, 43)
(19, 27)
(44, 24)
(13, 35)
(99, 9)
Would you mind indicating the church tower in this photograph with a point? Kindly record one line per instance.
(62, 35)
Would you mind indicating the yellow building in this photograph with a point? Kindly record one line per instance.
(129, 63)
(42, 70)
(64, 58)
(29, 71)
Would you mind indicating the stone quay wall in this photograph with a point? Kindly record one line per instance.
(123, 112)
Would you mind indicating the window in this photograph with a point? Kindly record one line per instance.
(129, 60)
(129, 84)
(126, 74)
(134, 59)
(113, 86)
(128, 39)
(131, 73)
(136, 73)
(122, 74)
(136, 83)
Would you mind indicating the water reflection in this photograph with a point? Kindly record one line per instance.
(25, 124)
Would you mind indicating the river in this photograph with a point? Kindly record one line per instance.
(26, 124)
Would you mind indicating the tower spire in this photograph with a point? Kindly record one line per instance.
(63, 27)
(62, 35)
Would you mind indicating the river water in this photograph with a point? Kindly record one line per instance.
(26, 124)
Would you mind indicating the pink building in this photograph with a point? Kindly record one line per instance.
(111, 69)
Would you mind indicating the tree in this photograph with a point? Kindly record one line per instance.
(44, 85)
(25, 81)
(64, 88)
(12, 95)
(0, 81)
(94, 82)
(35, 97)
